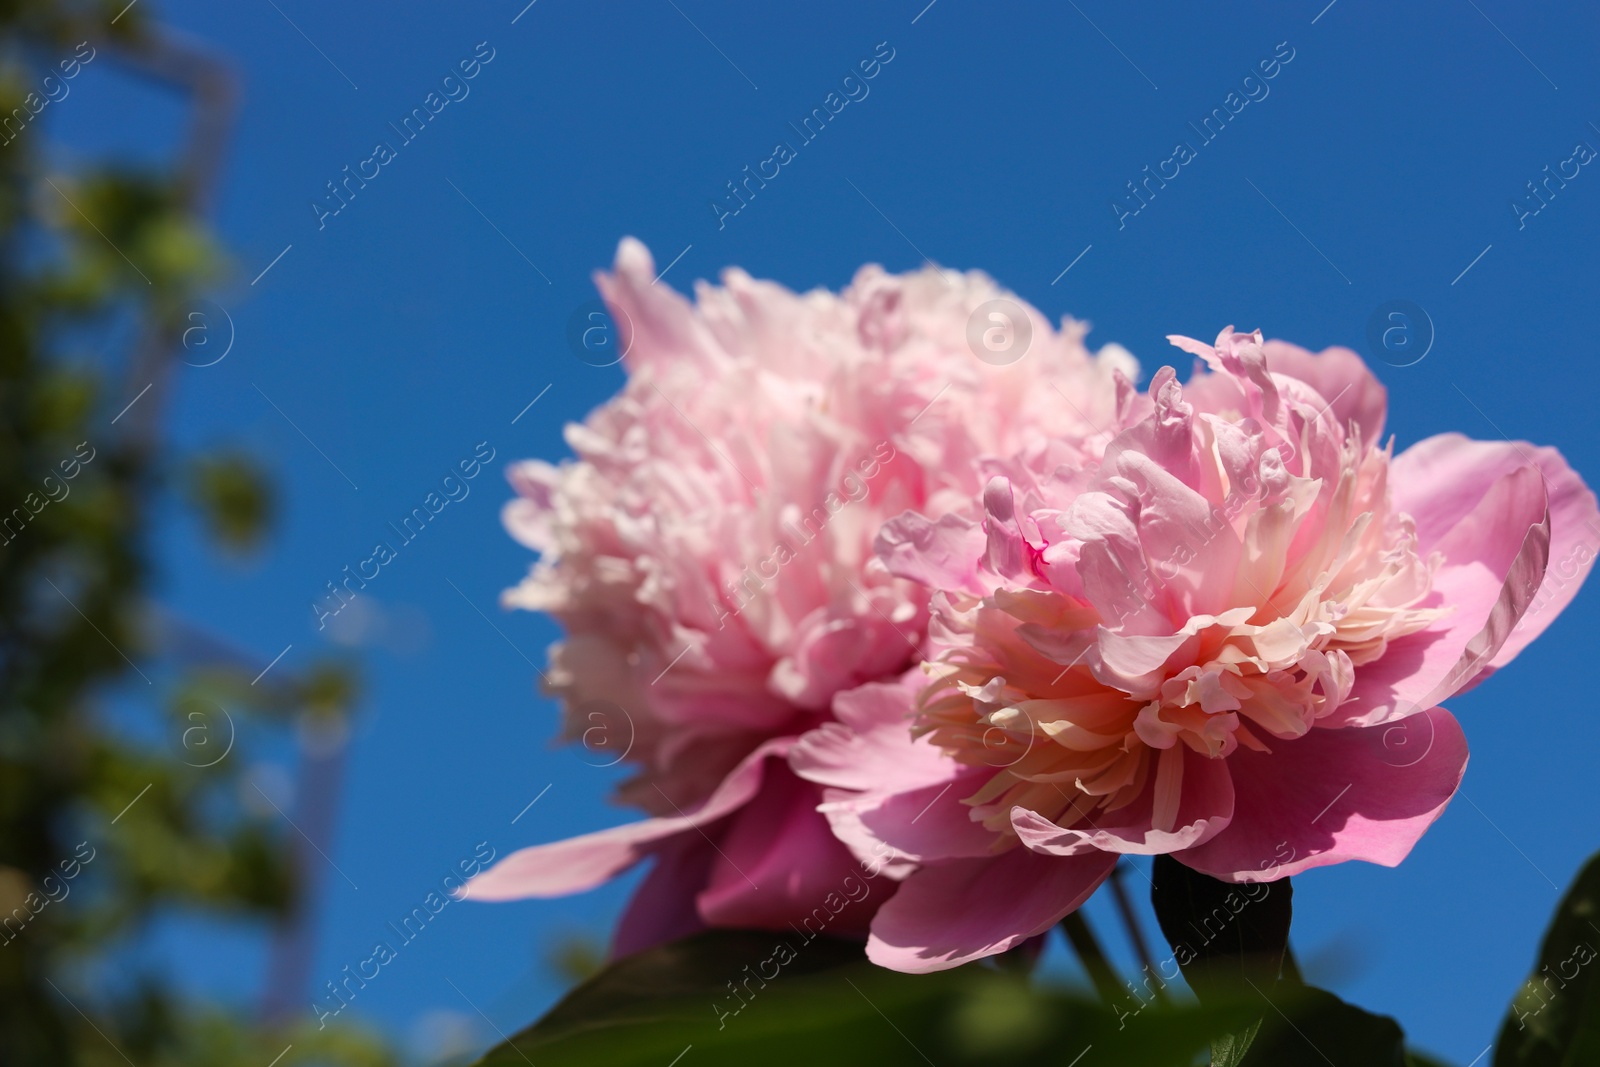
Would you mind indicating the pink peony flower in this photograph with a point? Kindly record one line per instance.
(709, 553)
(1226, 640)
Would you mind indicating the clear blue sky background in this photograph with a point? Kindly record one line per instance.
(1382, 163)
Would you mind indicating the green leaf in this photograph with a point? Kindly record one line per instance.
(1305, 1025)
(1232, 943)
(1554, 1020)
(822, 1002)
(1229, 1049)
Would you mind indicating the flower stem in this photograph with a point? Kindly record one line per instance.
(1290, 971)
(1087, 946)
(1135, 932)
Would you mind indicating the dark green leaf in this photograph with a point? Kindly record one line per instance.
(1308, 1026)
(1232, 942)
(1223, 935)
(1554, 1019)
(827, 1004)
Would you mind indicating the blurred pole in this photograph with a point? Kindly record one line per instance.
(170, 58)
(174, 60)
(323, 741)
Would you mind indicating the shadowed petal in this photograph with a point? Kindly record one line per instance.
(953, 911)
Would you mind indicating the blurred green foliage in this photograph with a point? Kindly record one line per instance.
(233, 497)
(827, 1004)
(736, 999)
(101, 833)
(575, 958)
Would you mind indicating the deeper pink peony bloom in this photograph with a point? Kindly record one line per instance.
(1226, 641)
(709, 553)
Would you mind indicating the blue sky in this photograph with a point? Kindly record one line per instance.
(1379, 163)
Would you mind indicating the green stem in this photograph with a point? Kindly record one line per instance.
(1289, 974)
(1087, 946)
(1135, 932)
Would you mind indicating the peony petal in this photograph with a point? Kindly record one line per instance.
(940, 555)
(777, 861)
(1006, 552)
(953, 911)
(1112, 565)
(870, 748)
(925, 823)
(581, 863)
(833, 653)
(1494, 557)
(527, 518)
(1358, 793)
(662, 908)
(1442, 478)
(841, 809)
(655, 323)
(1342, 377)
(1189, 545)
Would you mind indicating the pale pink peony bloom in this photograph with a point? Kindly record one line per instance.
(710, 554)
(1226, 641)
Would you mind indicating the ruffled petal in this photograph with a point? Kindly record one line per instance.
(939, 555)
(1341, 375)
(1204, 810)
